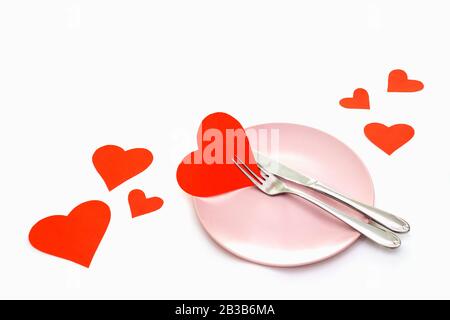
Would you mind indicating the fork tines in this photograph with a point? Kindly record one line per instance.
(255, 178)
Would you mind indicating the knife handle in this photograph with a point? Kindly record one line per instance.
(378, 235)
(384, 218)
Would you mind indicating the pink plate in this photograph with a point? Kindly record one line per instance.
(287, 231)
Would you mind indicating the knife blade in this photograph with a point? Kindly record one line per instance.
(283, 171)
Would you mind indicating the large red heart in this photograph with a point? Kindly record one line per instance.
(398, 82)
(210, 170)
(360, 100)
(75, 237)
(116, 165)
(389, 139)
(140, 204)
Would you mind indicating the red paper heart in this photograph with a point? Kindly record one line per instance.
(116, 166)
(389, 139)
(360, 100)
(140, 204)
(398, 82)
(75, 237)
(210, 170)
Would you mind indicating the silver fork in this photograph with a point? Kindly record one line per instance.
(272, 186)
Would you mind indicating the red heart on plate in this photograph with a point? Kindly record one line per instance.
(389, 139)
(398, 82)
(75, 237)
(116, 165)
(360, 100)
(140, 204)
(210, 170)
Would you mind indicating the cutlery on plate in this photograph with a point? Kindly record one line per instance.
(384, 218)
(272, 186)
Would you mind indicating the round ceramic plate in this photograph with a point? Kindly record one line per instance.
(287, 231)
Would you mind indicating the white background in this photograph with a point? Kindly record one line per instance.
(76, 75)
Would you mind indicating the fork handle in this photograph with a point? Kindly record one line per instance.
(384, 218)
(380, 236)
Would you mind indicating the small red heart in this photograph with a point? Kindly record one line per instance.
(210, 170)
(140, 204)
(75, 237)
(389, 139)
(116, 165)
(360, 100)
(398, 82)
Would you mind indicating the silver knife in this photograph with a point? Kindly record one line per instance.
(384, 218)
